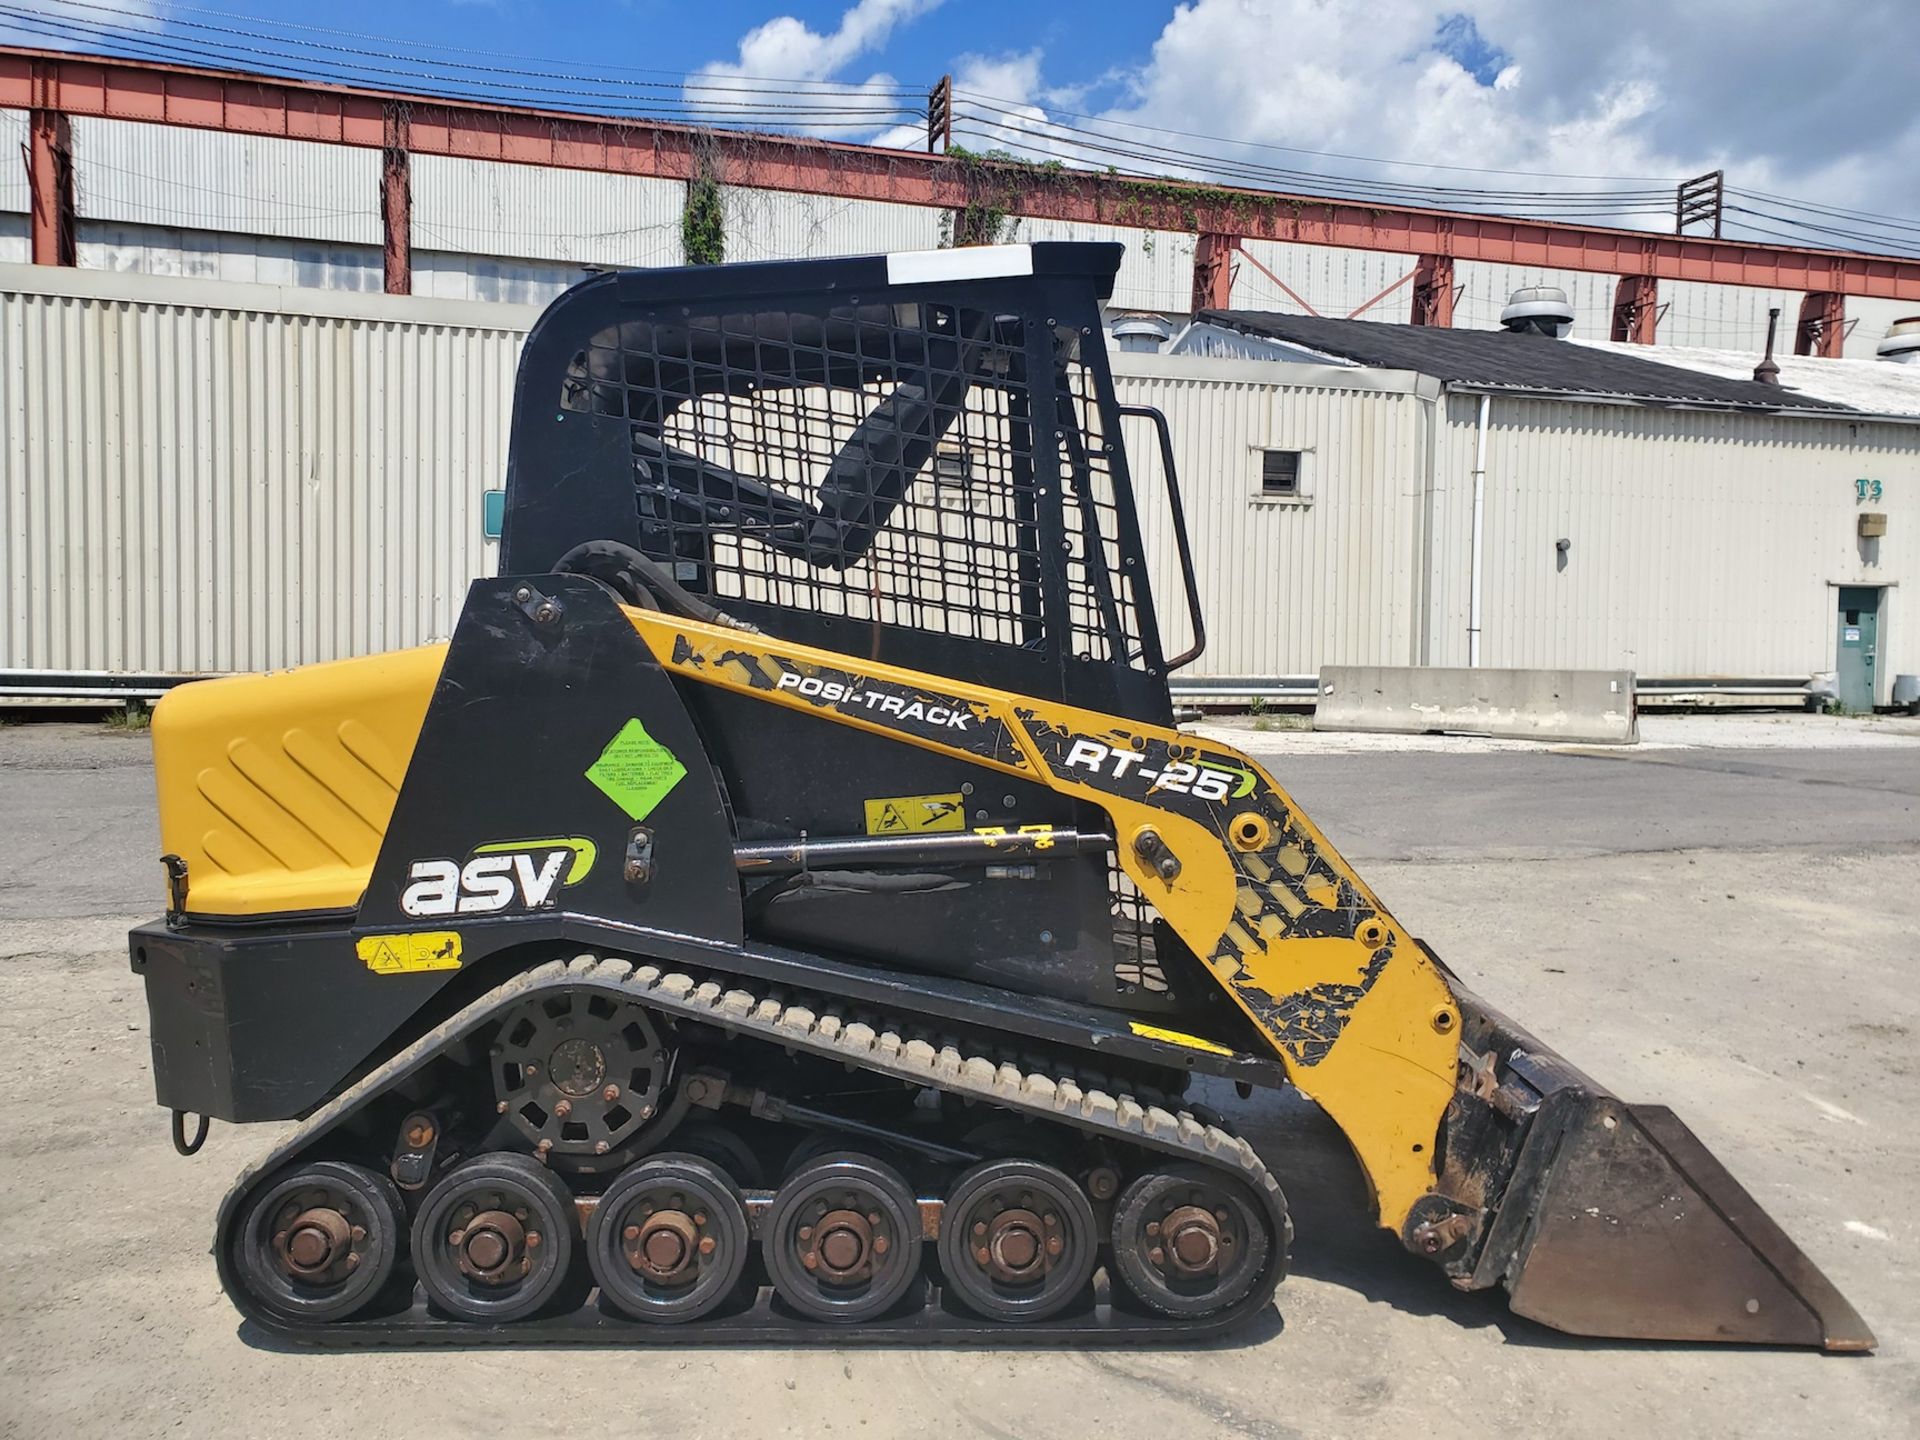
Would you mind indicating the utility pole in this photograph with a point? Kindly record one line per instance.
(1700, 199)
(940, 115)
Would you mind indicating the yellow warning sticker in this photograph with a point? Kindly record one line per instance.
(406, 954)
(1175, 1037)
(916, 814)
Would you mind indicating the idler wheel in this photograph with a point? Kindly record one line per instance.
(1018, 1240)
(1189, 1242)
(842, 1238)
(320, 1240)
(493, 1239)
(668, 1240)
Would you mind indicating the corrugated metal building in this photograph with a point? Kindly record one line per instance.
(1673, 521)
(203, 476)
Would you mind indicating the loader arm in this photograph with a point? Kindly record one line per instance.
(1358, 1014)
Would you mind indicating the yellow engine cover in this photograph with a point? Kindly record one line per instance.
(276, 789)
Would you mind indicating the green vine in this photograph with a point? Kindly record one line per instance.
(998, 185)
(703, 221)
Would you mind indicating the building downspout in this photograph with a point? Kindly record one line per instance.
(1474, 566)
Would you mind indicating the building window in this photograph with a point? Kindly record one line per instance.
(1280, 475)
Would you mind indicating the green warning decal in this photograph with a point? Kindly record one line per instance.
(636, 771)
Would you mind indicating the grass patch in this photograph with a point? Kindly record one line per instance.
(131, 720)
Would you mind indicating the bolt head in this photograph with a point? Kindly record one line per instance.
(563, 1109)
(1156, 1257)
(533, 1240)
(810, 1260)
(707, 1244)
(880, 1246)
(353, 1259)
(631, 1232)
(359, 1233)
(457, 1237)
(500, 1108)
(600, 1147)
(610, 1094)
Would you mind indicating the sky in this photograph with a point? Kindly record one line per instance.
(1814, 101)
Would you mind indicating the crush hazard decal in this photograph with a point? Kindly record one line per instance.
(503, 875)
(916, 814)
(409, 954)
(925, 714)
(1285, 888)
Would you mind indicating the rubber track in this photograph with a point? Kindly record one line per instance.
(802, 1024)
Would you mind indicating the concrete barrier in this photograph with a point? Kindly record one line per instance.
(1594, 706)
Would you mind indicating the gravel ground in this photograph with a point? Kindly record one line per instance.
(1728, 929)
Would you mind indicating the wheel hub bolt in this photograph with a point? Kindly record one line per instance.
(314, 1239)
(1193, 1240)
(486, 1248)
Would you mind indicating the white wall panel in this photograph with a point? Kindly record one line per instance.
(238, 259)
(531, 212)
(1333, 282)
(481, 277)
(1156, 273)
(16, 243)
(200, 477)
(1699, 543)
(1723, 317)
(16, 195)
(210, 180)
(1285, 587)
(778, 225)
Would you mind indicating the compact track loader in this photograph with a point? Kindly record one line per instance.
(786, 909)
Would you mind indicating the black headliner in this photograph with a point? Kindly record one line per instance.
(1499, 360)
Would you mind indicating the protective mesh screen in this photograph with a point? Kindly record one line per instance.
(874, 462)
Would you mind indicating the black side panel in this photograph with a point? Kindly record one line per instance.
(524, 709)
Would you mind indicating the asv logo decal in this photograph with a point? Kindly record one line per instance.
(529, 874)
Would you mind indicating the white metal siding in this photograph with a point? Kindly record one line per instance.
(16, 195)
(210, 180)
(778, 225)
(1333, 282)
(16, 243)
(239, 259)
(204, 478)
(1723, 317)
(1156, 273)
(1699, 543)
(533, 212)
(1284, 587)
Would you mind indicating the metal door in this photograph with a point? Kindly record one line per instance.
(1859, 636)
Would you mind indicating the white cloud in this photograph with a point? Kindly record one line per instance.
(1787, 97)
(786, 48)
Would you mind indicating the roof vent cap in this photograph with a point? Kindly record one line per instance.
(1538, 310)
(1141, 334)
(1902, 345)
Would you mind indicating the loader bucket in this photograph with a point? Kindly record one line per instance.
(1615, 1221)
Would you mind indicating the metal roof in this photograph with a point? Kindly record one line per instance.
(1875, 386)
(1499, 360)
